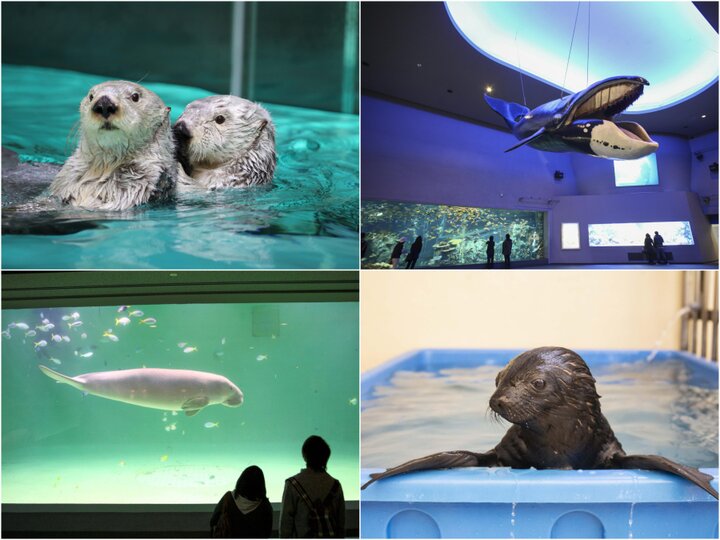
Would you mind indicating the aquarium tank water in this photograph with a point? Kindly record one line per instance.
(452, 235)
(296, 365)
(306, 218)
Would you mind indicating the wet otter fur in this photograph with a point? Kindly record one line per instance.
(224, 142)
(549, 396)
(125, 156)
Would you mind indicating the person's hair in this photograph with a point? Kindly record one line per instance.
(316, 452)
(656, 232)
(507, 236)
(251, 484)
(491, 238)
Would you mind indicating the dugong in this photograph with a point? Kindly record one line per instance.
(167, 389)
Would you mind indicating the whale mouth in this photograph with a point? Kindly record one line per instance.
(609, 98)
(635, 131)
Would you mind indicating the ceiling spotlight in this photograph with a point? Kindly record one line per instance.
(488, 89)
(704, 116)
(419, 65)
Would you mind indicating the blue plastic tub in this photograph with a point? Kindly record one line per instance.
(505, 503)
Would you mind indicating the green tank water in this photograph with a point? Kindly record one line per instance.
(295, 363)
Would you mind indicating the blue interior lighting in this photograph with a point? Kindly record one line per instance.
(669, 43)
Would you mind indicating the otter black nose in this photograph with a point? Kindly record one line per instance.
(104, 107)
(181, 131)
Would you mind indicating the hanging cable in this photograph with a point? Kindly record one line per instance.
(587, 69)
(522, 84)
(572, 40)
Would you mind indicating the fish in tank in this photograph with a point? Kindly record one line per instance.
(452, 235)
(166, 403)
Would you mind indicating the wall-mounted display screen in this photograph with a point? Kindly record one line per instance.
(674, 233)
(451, 235)
(636, 172)
(570, 235)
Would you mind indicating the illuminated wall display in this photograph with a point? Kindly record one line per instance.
(534, 38)
(570, 235)
(636, 172)
(674, 233)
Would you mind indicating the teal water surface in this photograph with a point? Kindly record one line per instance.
(308, 217)
(296, 364)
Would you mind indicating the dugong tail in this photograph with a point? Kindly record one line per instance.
(511, 112)
(59, 377)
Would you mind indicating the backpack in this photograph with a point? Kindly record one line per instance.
(322, 518)
(223, 528)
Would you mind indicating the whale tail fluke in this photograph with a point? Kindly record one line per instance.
(59, 377)
(511, 112)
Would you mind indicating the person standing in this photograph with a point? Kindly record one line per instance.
(649, 249)
(313, 505)
(244, 512)
(507, 250)
(414, 254)
(397, 252)
(658, 242)
(490, 251)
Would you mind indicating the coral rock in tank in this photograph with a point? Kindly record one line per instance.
(452, 235)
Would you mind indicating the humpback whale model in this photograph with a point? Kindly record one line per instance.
(167, 389)
(582, 122)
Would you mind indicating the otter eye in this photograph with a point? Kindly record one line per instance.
(539, 384)
(135, 97)
(90, 97)
(219, 118)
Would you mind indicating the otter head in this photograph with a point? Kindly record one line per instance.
(219, 129)
(235, 397)
(547, 383)
(118, 116)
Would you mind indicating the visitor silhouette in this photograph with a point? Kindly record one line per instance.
(244, 512)
(649, 249)
(312, 504)
(415, 250)
(397, 252)
(507, 249)
(490, 252)
(658, 243)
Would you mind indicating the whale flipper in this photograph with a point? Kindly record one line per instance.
(539, 133)
(659, 463)
(511, 112)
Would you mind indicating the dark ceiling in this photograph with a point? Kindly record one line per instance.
(412, 53)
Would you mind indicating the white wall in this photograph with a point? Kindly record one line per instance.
(402, 311)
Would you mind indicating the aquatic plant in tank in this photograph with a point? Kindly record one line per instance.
(452, 235)
(274, 373)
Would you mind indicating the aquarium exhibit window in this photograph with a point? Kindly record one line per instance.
(674, 233)
(451, 235)
(64, 444)
(673, 43)
(636, 172)
(570, 235)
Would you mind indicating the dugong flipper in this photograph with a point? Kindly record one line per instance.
(167, 389)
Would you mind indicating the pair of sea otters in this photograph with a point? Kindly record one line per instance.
(129, 154)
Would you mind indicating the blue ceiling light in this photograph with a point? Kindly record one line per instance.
(668, 43)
